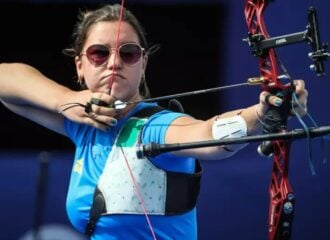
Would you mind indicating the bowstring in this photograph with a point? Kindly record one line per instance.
(117, 44)
(137, 191)
(138, 194)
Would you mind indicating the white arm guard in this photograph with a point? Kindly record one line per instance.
(231, 127)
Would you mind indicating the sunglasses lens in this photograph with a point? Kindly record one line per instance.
(97, 54)
(130, 53)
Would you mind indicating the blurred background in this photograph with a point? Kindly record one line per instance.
(201, 47)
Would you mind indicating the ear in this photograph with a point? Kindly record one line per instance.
(145, 62)
(78, 63)
(80, 74)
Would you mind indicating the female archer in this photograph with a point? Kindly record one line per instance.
(113, 194)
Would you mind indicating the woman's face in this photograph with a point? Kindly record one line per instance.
(114, 76)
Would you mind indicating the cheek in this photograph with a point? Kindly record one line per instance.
(91, 80)
(136, 73)
(135, 78)
(83, 71)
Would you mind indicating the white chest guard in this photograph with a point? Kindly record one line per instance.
(162, 192)
(116, 182)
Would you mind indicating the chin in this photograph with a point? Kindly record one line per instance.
(118, 94)
(102, 90)
(122, 94)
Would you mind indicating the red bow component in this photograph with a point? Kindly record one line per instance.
(281, 196)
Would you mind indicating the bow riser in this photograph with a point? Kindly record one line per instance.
(280, 192)
(267, 57)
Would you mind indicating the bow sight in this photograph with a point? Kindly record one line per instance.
(259, 44)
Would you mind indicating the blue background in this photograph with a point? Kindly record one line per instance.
(233, 203)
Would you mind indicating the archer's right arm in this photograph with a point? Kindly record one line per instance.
(30, 94)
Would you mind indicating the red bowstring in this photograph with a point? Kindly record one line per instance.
(117, 43)
(136, 189)
(138, 194)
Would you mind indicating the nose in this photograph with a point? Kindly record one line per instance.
(114, 61)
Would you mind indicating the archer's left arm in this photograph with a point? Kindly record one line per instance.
(237, 123)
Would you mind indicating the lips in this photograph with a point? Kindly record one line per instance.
(115, 76)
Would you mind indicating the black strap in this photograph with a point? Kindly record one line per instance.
(98, 207)
(182, 190)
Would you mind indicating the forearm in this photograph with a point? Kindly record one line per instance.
(250, 115)
(21, 84)
(232, 124)
(253, 116)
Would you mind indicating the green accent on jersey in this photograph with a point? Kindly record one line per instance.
(130, 132)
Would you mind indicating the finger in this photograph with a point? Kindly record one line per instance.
(299, 84)
(99, 122)
(103, 111)
(300, 99)
(101, 99)
(94, 123)
(269, 99)
(109, 121)
(302, 95)
(300, 104)
(298, 110)
(101, 126)
(93, 115)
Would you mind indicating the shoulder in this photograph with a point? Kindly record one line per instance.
(157, 125)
